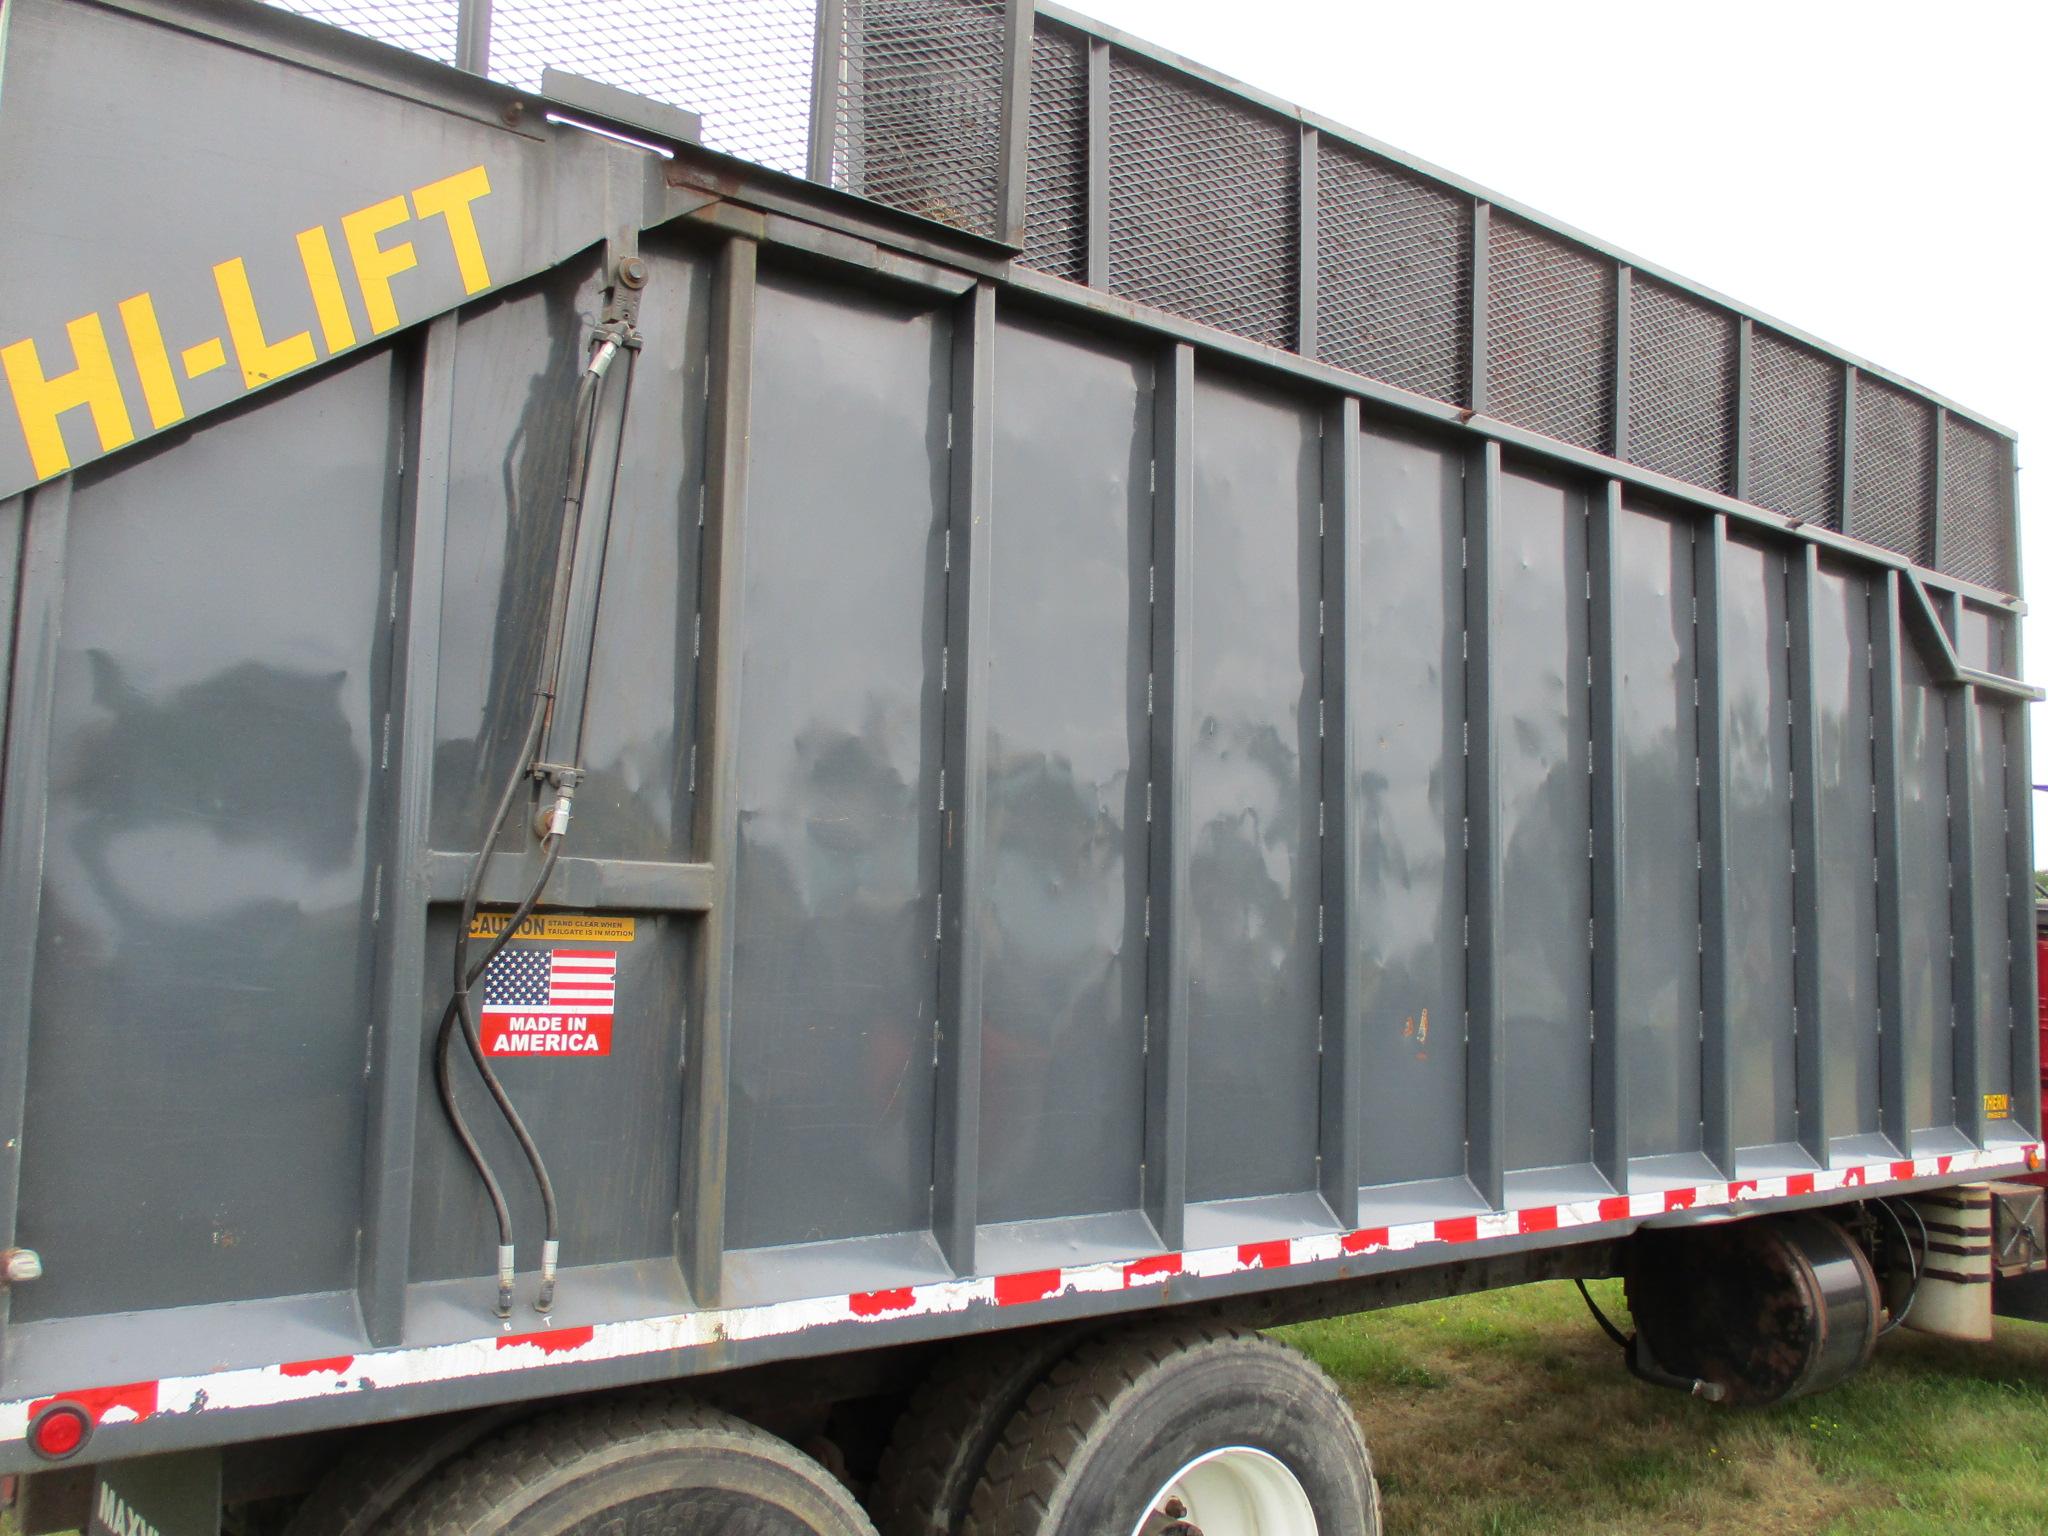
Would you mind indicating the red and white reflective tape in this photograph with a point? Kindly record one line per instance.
(270, 1386)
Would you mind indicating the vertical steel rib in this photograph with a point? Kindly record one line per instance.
(1808, 1004)
(1610, 1079)
(2019, 895)
(1937, 553)
(1486, 1034)
(1745, 405)
(707, 1064)
(1846, 467)
(42, 520)
(1168, 1021)
(1343, 847)
(1624, 328)
(1097, 190)
(1479, 354)
(962, 878)
(1964, 747)
(1717, 954)
(394, 1085)
(473, 36)
(1308, 253)
(1887, 684)
(828, 59)
(1013, 172)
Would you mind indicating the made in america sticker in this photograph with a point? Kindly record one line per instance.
(549, 1002)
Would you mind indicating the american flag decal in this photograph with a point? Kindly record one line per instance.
(549, 1002)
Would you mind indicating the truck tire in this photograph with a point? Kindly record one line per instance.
(382, 1466)
(626, 1464)
(942, 1440)
(1175, 1426)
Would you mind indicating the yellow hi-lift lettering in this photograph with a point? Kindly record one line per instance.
(42, 401)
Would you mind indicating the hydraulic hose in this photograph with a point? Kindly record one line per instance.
(459, 1012)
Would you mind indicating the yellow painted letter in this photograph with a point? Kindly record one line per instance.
(336, 329)
(152, 362)
(451, 197)
(261, 360)
(39, 401)
(375, 266)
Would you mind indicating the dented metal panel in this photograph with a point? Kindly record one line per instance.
(1542, 683)
(1407, 645)
(1256, 702)
(839, 772)
(1063, 1057)
(1659, 937)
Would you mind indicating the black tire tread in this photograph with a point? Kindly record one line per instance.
(467, 1497)
(922, 1466)
(1063, 1413)
(379, 1471)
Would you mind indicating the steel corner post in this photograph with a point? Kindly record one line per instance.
(828, 85)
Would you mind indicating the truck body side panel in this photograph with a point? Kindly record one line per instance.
(1084, 809)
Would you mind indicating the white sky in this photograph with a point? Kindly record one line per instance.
(1872, 172)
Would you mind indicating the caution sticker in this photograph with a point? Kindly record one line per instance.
(542, 1001)
(1997, 1106)
(567, 927)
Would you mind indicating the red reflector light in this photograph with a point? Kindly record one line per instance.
(59, 1430)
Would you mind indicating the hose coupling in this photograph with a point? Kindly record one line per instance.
(554, 816)
(505, 1274)
(553, 819)
(550, 1256)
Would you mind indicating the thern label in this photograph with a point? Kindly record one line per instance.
(549, 1002)
(1997, 1106)
(569, 927)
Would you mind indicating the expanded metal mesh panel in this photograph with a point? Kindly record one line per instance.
(1394, 275)
(1977, 532)
(419, 26)
(1681, 386)
(1795, 431)
(920, 110)
(1550, 335)
(1056, 179)
(1204, 204)
(744, 65)
(1892, 500)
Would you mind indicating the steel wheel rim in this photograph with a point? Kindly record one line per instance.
(1237, 1490)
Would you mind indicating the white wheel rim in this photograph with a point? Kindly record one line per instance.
(1235, 1491)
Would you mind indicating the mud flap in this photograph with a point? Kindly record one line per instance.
(174, 1495)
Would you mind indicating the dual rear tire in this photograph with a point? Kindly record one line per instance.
(645, 1466)
(1164, 1429)
(1178, 1427)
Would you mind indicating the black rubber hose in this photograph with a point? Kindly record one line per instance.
(460, 1004)
(584, 423)
(442, 1058)
(443, 1077)
(1606, 1325)
(1912, 1262)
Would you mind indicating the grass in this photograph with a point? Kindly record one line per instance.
(1509, 1414)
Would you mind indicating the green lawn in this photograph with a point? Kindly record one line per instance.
(1511, 1413)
